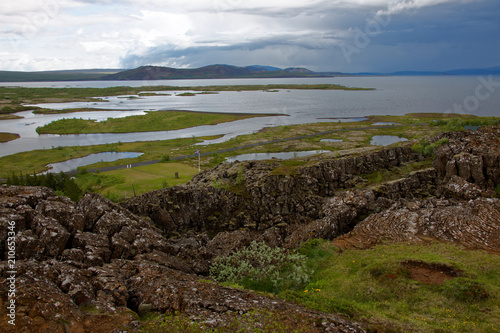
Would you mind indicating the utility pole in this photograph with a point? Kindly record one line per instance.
(197, 152)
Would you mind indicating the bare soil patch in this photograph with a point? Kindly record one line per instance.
(430, 273)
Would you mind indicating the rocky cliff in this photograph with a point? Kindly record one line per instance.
(92, 266)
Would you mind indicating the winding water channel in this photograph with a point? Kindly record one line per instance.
(393, 96)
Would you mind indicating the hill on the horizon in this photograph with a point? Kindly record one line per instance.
(211, 72)
(58, 75)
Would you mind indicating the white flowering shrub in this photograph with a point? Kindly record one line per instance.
(261, 267)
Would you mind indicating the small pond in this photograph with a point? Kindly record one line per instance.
(385, 140)
(71, 165)
(268, 156)
(331, 140)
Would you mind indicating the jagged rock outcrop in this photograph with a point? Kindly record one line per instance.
(89, 267)
(475, 224)
(293, 206)
(473, 156)
(259, 194)
(465, 209)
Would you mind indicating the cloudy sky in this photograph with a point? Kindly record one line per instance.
(333, 35)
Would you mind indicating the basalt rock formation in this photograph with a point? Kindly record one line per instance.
(92, 266)
(464, 209)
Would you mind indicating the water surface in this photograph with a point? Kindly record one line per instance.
(73, 164)
(386, 140)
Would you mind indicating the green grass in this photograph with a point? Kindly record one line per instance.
(6, 137)
(255, 321)
(371, 286)
(36, 161)
(120, 183)
(457, 124)
(9, 116)
(427, 149)
(288, 167)
(386, 175)
(151, 121)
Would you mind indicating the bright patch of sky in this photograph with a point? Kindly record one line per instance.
(333, 35)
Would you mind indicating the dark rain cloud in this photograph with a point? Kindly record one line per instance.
(445, 36)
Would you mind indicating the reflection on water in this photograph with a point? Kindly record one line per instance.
(385, 140)
(267, 156)
(71, 165)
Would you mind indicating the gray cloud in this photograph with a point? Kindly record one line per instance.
(258, 50)
(421, 34)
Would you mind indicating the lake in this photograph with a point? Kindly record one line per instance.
(393, 96)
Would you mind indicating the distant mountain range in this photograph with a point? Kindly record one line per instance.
(211, 72)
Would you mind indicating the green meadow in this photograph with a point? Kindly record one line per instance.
(373, 286)
(125, 183)
(151, 121)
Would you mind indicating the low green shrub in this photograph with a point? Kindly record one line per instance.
(456, 124)
(427, 149)
(216, 159)
(61, 183)
(240, 178)
(261, 267)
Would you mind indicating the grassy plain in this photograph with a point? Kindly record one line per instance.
(372, 286)
(36, 161)
(151, 121)
(120, 184)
